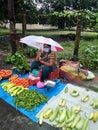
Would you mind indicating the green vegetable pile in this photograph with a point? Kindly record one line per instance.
(29, 99)
(19, 61)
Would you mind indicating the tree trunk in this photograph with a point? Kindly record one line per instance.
(77, 40)
(12, 25)
(24, 24)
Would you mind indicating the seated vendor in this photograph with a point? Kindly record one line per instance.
(45, 61)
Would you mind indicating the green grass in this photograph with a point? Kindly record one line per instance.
(4, 31)
(95, 89)
(88, 38)
(69, 47)
(50, 32)
(55, 33)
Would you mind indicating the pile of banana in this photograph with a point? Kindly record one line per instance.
(85, 98)
(94, 116)
(12, 89)
(68, 118)
(65, 118)
(74, 93)
(94, 103)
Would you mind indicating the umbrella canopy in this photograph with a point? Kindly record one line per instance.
(38, 41)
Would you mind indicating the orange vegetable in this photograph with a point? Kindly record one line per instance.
(5, 73)
(20, 82)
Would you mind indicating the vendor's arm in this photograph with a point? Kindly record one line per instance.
(52, 60)
(49, 63)
(38, 55)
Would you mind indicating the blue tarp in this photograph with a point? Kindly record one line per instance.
(50, 92)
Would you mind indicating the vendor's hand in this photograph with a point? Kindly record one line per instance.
(40, 59)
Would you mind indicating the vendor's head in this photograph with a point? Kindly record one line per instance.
(47, 48)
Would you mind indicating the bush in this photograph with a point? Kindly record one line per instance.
(89, 57)
(31, 52)
(19, 62)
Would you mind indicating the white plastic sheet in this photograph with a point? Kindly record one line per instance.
(73, 101)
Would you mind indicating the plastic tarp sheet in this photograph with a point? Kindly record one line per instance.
(50, 92)
(73, 101)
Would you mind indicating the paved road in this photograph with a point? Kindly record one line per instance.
(12, 119)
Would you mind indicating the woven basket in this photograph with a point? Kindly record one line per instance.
(7, 76)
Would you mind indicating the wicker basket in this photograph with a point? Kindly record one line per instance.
(6, 75)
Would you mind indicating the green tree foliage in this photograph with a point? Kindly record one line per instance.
(96, 25)
(28, 7)
(49, 6)
(77, 13)
(81, 4)
(20, 6)
(89, 57)
(58, 5)
(3, 10)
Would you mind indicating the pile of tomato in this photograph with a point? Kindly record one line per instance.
(5, 73)
(14, 78)
(19, 81)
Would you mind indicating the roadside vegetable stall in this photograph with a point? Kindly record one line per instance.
(75, 107)
(28, 99)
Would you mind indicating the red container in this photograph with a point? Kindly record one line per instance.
(32, 82)
(54, 75)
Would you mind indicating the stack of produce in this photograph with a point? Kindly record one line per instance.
(19, 81)
(12, 89)
(64, 118)
(24, 97)
(5, 73)
(29, 99)
(94, 103)
(70, 118)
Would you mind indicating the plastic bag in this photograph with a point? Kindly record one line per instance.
(40, 84)
(90, 75)
(35, 72)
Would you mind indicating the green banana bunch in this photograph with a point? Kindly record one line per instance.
(47, 113)
(77, 108)
(62, 103)
(74, 93)
(66, 90)
(94, 116)
(54, 114)
(94, 103)
(85, 98)
(7, 85)
(41, 118)
(65, 118)
(12, 89)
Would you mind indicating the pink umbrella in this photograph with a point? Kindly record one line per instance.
(38, 41)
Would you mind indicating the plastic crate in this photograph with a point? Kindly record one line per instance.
(32, 82)
(54, 75)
